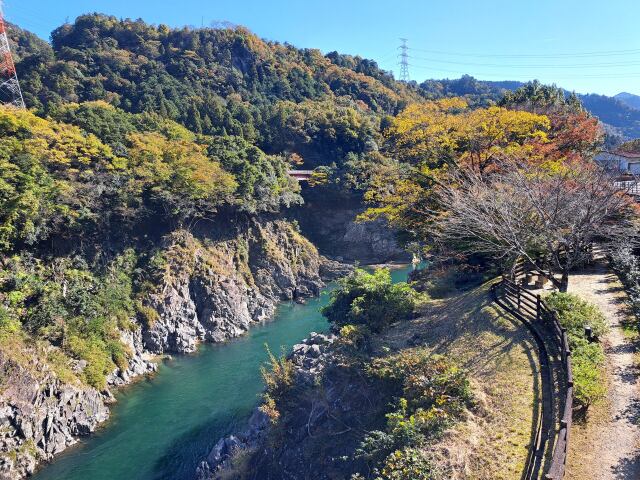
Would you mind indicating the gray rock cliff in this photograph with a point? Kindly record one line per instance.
(40, 415)
(223, 287)
(211, 289)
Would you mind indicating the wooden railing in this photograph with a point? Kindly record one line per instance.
(548, 451)
(630, 187)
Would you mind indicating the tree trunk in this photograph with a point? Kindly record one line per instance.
(564, 281)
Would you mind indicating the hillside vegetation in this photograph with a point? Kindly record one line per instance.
(213, 81)
(446, 394)
(144, 205)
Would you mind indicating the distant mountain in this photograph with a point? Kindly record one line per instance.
(629, 99)
(611, 111)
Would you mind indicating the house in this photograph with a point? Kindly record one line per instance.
(624, 162)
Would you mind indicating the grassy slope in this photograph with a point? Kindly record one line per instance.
(500, 357)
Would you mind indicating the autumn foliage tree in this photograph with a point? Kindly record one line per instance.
(439, 137)
(177, 176)
(448, 132)
(550, 215)
(573, 133)
(504, 182)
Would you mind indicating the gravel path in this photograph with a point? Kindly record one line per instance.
(609, 447)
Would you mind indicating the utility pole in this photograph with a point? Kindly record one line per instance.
(10, 93)
(404, 60)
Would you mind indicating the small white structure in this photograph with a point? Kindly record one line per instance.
(624, 162)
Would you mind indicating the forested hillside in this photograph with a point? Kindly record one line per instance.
(230, 82)
(142, 200)
(213, 81)
(146, 205)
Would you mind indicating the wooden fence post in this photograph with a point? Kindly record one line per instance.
(548, 317)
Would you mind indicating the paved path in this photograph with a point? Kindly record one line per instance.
(609, 448)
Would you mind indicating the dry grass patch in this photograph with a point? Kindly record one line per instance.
(500, 357)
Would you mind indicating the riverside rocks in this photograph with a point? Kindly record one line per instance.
(40, 416)
(332, 270)
(222, 288)
(309, 358)
(139, 362)
(213, 289)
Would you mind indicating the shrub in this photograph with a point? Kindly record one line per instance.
(147, 314)
(588, 378)
(353, 335)
(575, 314)
(94, 351)
(425, 380)
(587, 359)
(408, 464)
(626, 265)
(432, 393)
(278, 378)
(8, 325)
(371, 299)
(60, 364)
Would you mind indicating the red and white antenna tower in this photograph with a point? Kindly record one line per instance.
(10, 93)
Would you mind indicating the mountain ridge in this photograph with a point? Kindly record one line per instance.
(229, 80)
(629, 99)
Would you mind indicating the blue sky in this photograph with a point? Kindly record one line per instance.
(582, 45)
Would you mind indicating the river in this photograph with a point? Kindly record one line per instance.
(161, 427)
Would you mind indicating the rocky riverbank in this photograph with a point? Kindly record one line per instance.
(309, 358)
(211, 288)
(213, 291)
(41, 415)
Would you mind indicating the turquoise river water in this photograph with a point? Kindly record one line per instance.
(163, 426)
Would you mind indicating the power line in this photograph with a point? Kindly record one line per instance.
(605, 53)
(404, 60)
(556, 66)
(502, 76)
(388, 55)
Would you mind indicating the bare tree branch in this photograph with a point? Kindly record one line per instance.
(535, 212)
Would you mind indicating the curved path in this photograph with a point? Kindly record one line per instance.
(607, 447)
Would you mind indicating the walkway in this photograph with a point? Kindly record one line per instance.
(607, 447)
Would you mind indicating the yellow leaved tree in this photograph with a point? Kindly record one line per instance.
(438, 136)
(178, 175)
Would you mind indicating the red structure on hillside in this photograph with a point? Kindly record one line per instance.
(301, 175)
(10, 93)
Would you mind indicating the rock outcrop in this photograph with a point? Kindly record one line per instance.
(337, 233)
(40, 415)
(213, 286)
(139, 362)
(309, 359)
(214, 290)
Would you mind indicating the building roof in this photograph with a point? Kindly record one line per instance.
(629, 155)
